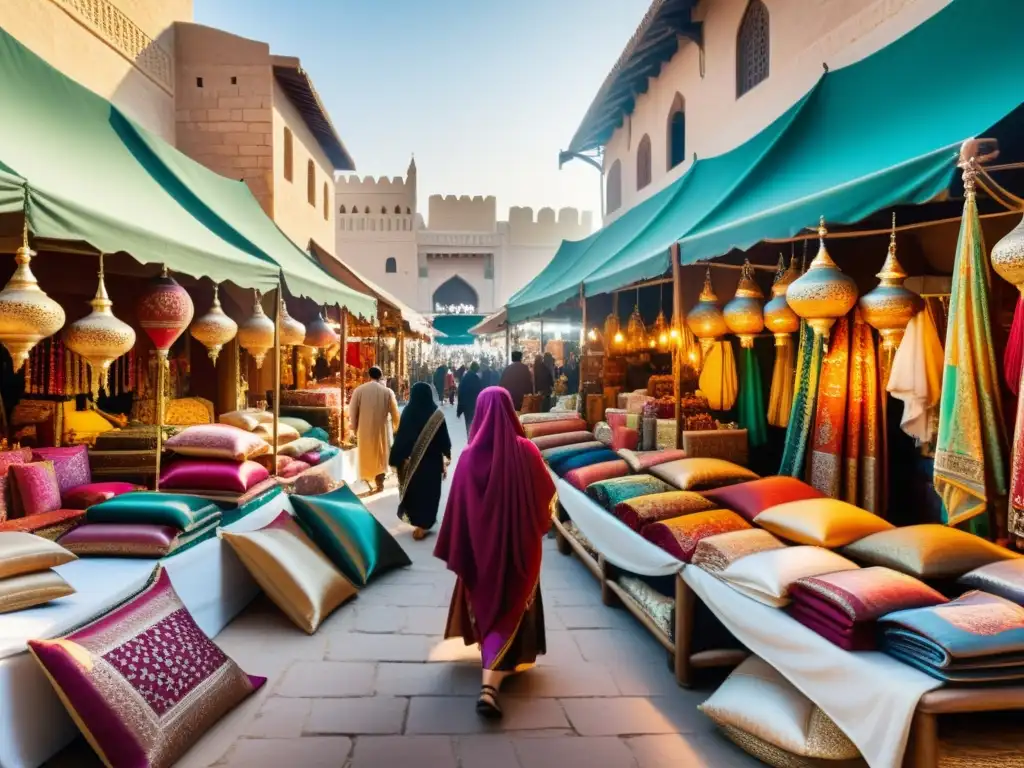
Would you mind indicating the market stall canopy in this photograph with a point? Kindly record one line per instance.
(456, 329)
(491, 324)
(878, 133)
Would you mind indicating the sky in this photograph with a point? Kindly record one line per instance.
(485, 93)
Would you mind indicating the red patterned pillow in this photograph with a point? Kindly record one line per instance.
(752, 498)
(296, 467)
(605, 470)
(143, 682)
(642, 511)
(681, 535)
(71, 465)
(34, 488)
(7, 458)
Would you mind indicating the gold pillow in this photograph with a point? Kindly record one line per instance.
(31, 589)
(22, 553)
(285, 433)
(828, 523)
(715, 553)
(240, 419)
(296, 575)
(928, 551)
(701, 474)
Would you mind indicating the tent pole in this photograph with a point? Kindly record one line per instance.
(343, 372)
(677, 350)
(508, 343)
(279, 302)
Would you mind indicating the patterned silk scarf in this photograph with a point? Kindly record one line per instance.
(801, 416)
(751, 411)
(780, 399)
(830, 417)
(864, 457)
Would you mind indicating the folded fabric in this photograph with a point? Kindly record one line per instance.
(976, 638)
(134, 539)
(183, 513)
(752, 498)
(545, 442)
(593, 473)
(22, 553)
(581, 460)
(212, 475)
(285, 433)
(616, 417)
(609, 493)
(1004, 578)
(85, 496)
(828, 523)
(625, 438)
(644, 510)
(18, 593)
(554, 427)
(641, 461)
(70, 464)
(700, 474)
(302, 445)
(563, 451)
(49, 525)
(319, 433)
(537, 418)
(244, 420)
(295, 468)
(603, 432)
(681, 535)
(299, 425)
(767, 576)
(715, 553)
(217, 441)
(845, 606)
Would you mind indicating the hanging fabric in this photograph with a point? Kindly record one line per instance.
(1013, 357)
(826, 472)
(916, 377)
(780, 398)
(751, 410)
(805, 397)
(970, 455)
(718, 380)
(864, 457)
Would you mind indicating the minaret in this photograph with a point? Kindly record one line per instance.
(410, 181)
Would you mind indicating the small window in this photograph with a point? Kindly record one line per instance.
(391, 266)
(311, 183)
(367, 209)
(234, 81)
(643, 162)
(613, 187)
(327, 203)
(676, 133)
(408, 212)
(288, 175)
(342, 209)
(752, 48)
(199, 82)
(384, 210)
(398, 209)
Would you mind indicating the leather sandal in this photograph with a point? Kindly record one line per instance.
(487, 703)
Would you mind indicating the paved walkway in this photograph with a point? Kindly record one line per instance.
(378, 687)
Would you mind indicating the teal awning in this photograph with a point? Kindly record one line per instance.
(456, 329)
(878, 133)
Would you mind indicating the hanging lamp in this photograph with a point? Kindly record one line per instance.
(612, 333)
(706, 321)
(823, 293)
(292, 333)
(99, 337)
(214, 329)
(779, 317)
(744, 314)
(660, 330)
(256, 334)
(636, 334)
(1008, 257)
(27, 315)
(164, 312)
(890, 306)
(319, 334)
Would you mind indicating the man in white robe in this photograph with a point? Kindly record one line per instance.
(371, 405)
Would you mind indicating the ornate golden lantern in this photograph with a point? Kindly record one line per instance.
(1008, 257)
(706, 321)
(256, 334)
(659, 332)
(99, 337)
(27, 315)
(319, 334)
(744, 314)
(890, 307)
(292, 333)
(214, 329)
(636, 334)
(613, 338)
(823, 293)
(779, 317)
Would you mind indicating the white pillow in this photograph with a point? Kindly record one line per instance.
(766, 576)
(240, 419)
(300, 425)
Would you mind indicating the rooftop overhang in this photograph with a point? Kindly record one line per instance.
(657, 39)
(295, 82)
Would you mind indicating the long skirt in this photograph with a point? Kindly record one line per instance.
(512, 646)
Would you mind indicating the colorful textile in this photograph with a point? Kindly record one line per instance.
(499, 509)
(603, 433)
(780, 398)
(285, 434)
(22, 553)
(718, 382)
(512, 645)
(828, 523)
(19, 593)
(977, 638)
(698, 474)
(244, 420)
(826, 468)
(134, 539)
(302, 445)
(212, 475)
(644, 510)
(49, 525)
(344, 530)
(184, 513)
(554, 427)
(767, 576)
(85, 496)
(605, 470)
(864, 461)
(752, 498)
(581, 460)
(805, 400)
(545, 442)
(299, 425)
(625, 438)
(1004, 578)
(317, 433)
(34, 488)
(1013, 355)
(609, 493)
(641, 461)
(843, 607)
(294, 468)
(217, 441)
(750, 410)
(122, 680)
(565, 451)
(970, 454)
(916, 377)
(71, 465)
(661, 609)
(680, 536)
(7, 458)
(715, 553)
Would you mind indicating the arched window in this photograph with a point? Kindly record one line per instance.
(676, 132)
(342, 209)
(391, 266)
(383, 210)
(311, 183)
(398, 209)
(367, 209)
(752, 59)
(643, 162)
(327, 201)
(613, 187)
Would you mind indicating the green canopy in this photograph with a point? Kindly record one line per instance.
(456, 328)
(878, 133)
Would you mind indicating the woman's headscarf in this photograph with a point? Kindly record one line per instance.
(498, 512)
(417, 413)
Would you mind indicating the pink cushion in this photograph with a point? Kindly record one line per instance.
(71, 465)
(120, 539)
(212, 475)
(85, 496)
(7, 458)
(624, 438)
(34, 488)
(752, 498)
(680, 536)
(296, 467)
(312, 458)
(606, 470)
(218, 441)
(616, 419)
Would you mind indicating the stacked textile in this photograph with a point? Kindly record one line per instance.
(609, 493)
(844, 607)
(27, 577)
(557, 427)
(545, 442)
(976, 639)
(215, 460)
(582, 460)
(605, 470)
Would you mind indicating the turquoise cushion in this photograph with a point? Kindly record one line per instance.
(152, 508)
(328, 452)
(585, 460)
(349, 535)
(319, 433)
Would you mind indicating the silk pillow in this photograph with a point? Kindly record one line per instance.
(928, 551)
(212, 475)
(698, 474)
(184, 513)
(296, 575)
(766, 576)
(296, 448)
(554, 427)
(566, 438)
(752, 498)
(133, 539)
(19, 593)
(240, 419)
(716, 553)
(285, 434)
(71, 465)
(606, 470)
(299, 425)
(644, 510)
(1004, 578)
(349, 535)
(609, 493)
(48, 525)
(641, 461)
(680, 535)
(319, 433)
(86, 496)
(22, 553)
(828, 523)
(295, 467)
(143, 682)
(581, 460)
(217, 441)
(7, 458)
(34, 488)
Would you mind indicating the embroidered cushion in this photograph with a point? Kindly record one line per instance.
(134, 539)
(715, 553)
(927, 551)
(828, 523)
(349, 534)
(644, 510)
(699, 474)
(641, 461)
(609, 493)
(752, 498)
(48, 525)
(85, 496)
(243, 420)
(660, 608)
(299, 425)
(212, 475)
(1004, 578)
(285, 434)
(296, 575)
(603, 432)
(536, 418)
(22, 553)
(606, 470)
(217, 441)
(316, 481)
(183, 513)
(34, 488)
(766, 576)
(143, 682)
(295, 467)
(71, 465)
(555, 427)
(7, 458)
(757, 700)
(565, 438)
(19, 593)
(679, 536)
(581, 460)
(296, 448)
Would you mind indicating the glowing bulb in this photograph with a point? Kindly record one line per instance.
(592, 334)
(663, 339)
(652, 343)
(693, 356)
(674, 333)
(619, 338)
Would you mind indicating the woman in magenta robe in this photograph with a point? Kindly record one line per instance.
(499, 510)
